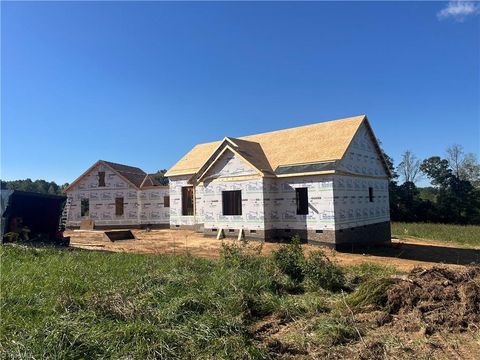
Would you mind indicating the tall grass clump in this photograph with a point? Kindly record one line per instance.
(372, 292)
(315, 271)
(320, 272)
(290, 259)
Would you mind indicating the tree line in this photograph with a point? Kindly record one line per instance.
(454, 196)
(38, 186)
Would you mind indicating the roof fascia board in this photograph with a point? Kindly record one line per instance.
(232, 179)
(326, 172)
(361, 175)
(143, 182)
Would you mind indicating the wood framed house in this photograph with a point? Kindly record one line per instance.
(327, 182)
(117, 196)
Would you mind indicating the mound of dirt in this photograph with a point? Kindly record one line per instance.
(437, 298)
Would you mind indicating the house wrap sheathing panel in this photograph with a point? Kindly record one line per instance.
(347, 182)
(141, 206)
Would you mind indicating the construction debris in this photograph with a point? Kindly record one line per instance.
(119, 235)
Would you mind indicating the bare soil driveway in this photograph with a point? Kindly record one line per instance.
(405, 254)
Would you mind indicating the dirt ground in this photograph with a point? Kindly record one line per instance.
(405, 254)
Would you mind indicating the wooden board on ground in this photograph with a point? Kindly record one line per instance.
(87, 225)
(116, 235)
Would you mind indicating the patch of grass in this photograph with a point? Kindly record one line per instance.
(321, 273)
(85, 304)
(81, 304)
(467, 235)
(373, 292)
(334, 331)
(325, 331)
(368, 270)
(293, 307)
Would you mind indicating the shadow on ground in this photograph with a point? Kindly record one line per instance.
(421, 252)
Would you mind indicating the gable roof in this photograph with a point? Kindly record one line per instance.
(321, 142)
(151, 180)
(131, 174)
(250, 152)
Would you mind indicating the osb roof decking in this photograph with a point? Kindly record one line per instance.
(324, 141)
(134, 175)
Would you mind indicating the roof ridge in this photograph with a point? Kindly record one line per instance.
(360, 117)
(127, 166)
(304, 126)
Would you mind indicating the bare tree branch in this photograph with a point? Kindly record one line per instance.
(409, 167)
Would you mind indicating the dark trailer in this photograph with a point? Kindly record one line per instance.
(32, 217)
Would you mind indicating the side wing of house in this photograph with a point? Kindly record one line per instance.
(154, 206)
(361, 186)
(98, 196)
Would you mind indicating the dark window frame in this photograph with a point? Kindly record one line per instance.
(119, 206)
(84, 207)
(166, 201)
(101, 179)
(187, 201)
(232, 202)
(301, 200)
(370, 194)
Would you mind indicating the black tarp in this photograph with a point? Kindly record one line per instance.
(41, 213)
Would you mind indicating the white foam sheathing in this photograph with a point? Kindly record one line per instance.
(209, 194)
(229, 165)
(362, 158)
(176, 218)
(281, 206)
(144, 206)
(352, 203)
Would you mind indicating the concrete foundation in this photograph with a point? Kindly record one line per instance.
(365, 235)
(128, 226)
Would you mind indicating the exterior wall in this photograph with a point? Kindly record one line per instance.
(140, 206)
(177, 220)
(362, 158)
(253, 216)
(230, 172)
(229, 165)
(152, 209)
(352, 205)
(281, 208)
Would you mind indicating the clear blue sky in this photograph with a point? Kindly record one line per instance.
(141, 83)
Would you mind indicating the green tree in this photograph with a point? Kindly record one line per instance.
(161, 178)
(457, 200)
